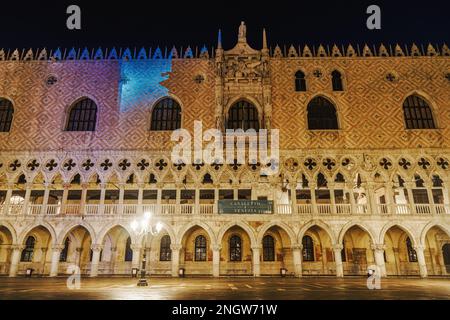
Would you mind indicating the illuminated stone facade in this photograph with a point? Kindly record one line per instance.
(339, 188)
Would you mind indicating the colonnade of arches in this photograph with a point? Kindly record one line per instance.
(234, 249)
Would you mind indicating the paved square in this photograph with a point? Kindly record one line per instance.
(225, 288)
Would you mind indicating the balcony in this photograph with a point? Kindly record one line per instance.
(211, 209)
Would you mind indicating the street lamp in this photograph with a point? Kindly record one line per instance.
(144, 227)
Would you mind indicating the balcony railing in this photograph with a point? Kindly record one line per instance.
(341, 209)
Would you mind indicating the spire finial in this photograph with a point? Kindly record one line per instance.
(219, 40)
(264, 39)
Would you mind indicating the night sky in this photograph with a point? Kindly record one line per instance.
(190, 22)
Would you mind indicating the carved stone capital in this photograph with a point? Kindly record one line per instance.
(419, 247)
(378, 246)
(217, 247)
(58, 247)
(19, 247)
(338, 247)
(135, 247)
(97, 247)
(297, 246)
(175, 246)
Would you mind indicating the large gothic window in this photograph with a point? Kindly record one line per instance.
(82, 116)
(417, 113)
(128, 250)
(166, 115)
(412, 254)
(322, 115)
(6, 115)
(268, 248)
(200, 248)
(64, 251)
(243, 115)
(300, 82)
(165, 253)
(27, 253)
(235, 248)
(336, 81)
(308, 248)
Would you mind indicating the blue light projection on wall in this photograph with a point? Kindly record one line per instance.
(140, 82)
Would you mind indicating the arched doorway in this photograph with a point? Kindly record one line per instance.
(317, 252)
(77, 250)
(116, 255)
(196, 253)
(276, 252)
(446, 255)
(357, 252)
(5, 245)
(236, 254)
(400, 257)
(37, 253)
(436, 241)
(161, 254)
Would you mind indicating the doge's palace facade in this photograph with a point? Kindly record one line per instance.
(363, 174)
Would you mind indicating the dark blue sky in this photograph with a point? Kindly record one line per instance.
(190, 22)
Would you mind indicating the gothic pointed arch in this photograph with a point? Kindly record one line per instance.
(82, 115)
(243, 115)
(417, 113)
(6, 114)
(166, 115)
(322, 114)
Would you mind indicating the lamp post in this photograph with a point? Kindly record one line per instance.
(144, 227)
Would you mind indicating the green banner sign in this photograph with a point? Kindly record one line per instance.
(246, 206)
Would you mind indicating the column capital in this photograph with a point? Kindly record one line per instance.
(217, 247)
(141, 185)
(378, 246)
(66, 185)
(135, 247)
(103, 185)
(17, 247)
(29, 185)
(409, 185)
(58, 247)
(175, 246)
(297, 246)
(10, 185)
(419, 247)
(256, 247)
(84, 185)
(96, 247)
(338, 247)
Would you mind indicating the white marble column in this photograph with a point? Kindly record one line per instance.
(96, 249)
(216, 260)
(332, 197)
(45, 199)
(256, 260)
(421, 260)
(412, 205)
(337, 249)
(15, 259)
(175, 258)
(121, 197)
(26, 201)
(297, 257)
(312, 188)
(141, 187)
(101, 208)
(378, 251)
(136, 256)
(56, 254)
(84, 187)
